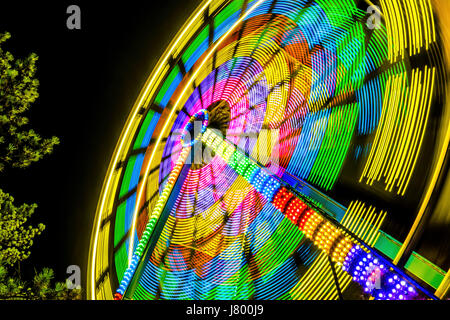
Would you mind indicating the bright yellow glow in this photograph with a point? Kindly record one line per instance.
(409, 25)
(444, 287)
(401, 130)
(427, 196)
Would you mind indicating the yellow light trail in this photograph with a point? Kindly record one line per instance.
(401, 130)
(410, 26)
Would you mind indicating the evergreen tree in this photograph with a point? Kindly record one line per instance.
(20, 146)
(16, 238)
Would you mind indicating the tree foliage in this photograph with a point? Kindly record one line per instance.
(40, 288)
(20, 146)
(16, 237)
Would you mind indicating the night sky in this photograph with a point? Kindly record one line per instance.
(89, 80)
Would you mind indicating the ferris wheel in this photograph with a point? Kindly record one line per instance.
(280, 149)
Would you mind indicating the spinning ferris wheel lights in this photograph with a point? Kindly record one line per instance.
(344, 118)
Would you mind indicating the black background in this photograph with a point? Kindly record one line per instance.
(89, 80)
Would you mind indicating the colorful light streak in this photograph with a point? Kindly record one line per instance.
(301, 71)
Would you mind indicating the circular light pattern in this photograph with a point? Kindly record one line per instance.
(298, 91)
